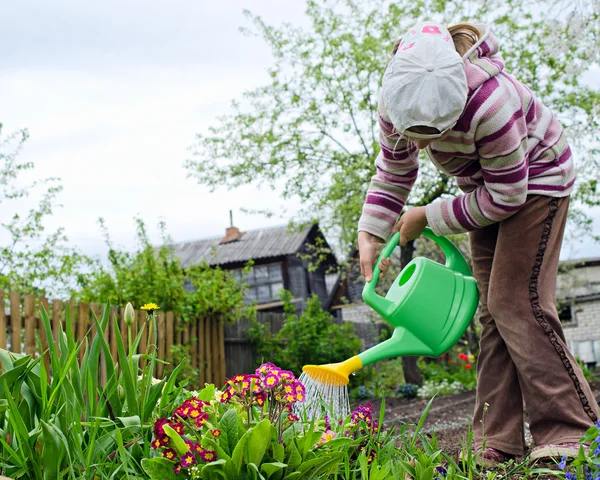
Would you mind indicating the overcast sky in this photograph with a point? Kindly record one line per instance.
(113, 94)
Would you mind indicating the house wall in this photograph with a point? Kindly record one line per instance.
(297, 280)
(583, 333)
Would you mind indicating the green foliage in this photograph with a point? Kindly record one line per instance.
(314, 126)
(311, 338)
(31, 259)
(459, 371)
(63, 423)
(155, 273)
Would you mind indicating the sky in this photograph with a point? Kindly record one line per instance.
(113, 94)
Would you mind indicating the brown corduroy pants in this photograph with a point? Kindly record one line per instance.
(523, 354)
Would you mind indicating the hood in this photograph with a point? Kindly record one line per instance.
(483, 61)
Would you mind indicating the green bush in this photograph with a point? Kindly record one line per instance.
(311, 338)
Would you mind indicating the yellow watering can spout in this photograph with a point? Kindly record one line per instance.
(334, 373)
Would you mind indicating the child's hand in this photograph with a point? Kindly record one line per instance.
(411, 224)
(369, 247)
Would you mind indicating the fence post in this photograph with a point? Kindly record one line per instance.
(221, 332)
(161, 343)
(82, 326)
(200, 346)
(2, 321)
(170, 335)
(193, 343)
(15, 322)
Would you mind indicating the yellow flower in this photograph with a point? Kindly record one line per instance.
(150, 307)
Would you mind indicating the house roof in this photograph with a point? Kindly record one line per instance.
(253, 245)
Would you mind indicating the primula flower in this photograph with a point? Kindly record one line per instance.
(260, 398)
(286, 375)
(292, 418)
(201, 420)
(208, 456)
(177, 468)
(160, 442)
(265, 368)
(188, 459)
(327, 435)
(271, 380)
(177, 426)
(169, 454)
(158, 427)
(216, 433)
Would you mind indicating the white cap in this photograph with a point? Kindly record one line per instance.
(425, 84)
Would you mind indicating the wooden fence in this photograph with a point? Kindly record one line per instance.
(21, 331)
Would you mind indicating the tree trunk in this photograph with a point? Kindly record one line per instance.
(409, 364)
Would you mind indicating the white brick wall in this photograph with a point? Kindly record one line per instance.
(583, 336)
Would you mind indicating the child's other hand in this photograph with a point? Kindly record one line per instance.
(411, 224)
(369, 247)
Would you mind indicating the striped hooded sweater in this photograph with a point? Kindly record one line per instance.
(506, 145)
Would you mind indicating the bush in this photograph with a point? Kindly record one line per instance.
(311, 338)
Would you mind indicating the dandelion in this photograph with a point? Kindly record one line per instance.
(169, 454)
(150, 307)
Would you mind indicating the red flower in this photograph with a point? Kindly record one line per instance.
(468, 366)
(208, 456)
(216, 433)
(169, 454)
(188, 459)
(201, 419)
(158, 427)
(160, 441)
(463, 356)
(177, 426)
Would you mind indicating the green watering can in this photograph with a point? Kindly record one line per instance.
(429, 305)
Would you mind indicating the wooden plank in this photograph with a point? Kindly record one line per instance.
(42, 332)
(221, 353)
(170, 334)
(57, 311)
(113, 339)
(123, 330)
(200, 348)
(82, 326)
(162, 332)
(15, 322)
(193, 343)
(216, 360)
(208, 350)
(2, 321)
(95, 308)
(30, 323)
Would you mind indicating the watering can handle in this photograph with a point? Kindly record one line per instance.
(454, 260)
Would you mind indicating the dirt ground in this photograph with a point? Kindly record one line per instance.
(448, 417)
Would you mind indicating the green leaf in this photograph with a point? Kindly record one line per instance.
(258, 441)
(321, 465)
(278, 452)
(211, 469)
(231, 430)
(272, 467)
(159, 468)
(129, 376)
(52, 451)
(207, 393)
(255, 467)
(239, 452)
(181, 447)
(293, 455)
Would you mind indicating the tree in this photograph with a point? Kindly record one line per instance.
(31, 260)
(313, 128)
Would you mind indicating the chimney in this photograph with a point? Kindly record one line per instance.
(232, 233)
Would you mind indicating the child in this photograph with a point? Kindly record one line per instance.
(445, 90)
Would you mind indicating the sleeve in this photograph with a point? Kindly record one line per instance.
(501, 142)
(397, 166)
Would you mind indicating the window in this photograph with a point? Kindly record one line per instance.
(265, 282)
(565, 315)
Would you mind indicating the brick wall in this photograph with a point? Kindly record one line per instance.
(583, 334)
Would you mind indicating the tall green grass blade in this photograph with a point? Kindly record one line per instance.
(129, 384)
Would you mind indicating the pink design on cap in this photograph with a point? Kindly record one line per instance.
(410, 45)
(431, 29)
